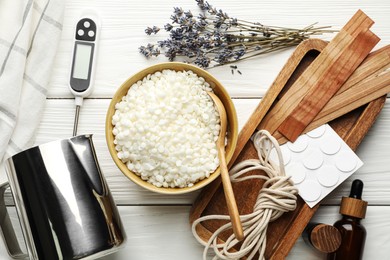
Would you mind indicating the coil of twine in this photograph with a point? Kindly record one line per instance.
(278, 195)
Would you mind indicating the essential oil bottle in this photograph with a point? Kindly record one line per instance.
(353, 234)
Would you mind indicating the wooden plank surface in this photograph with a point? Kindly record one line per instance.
(156, 225)
(153, 235)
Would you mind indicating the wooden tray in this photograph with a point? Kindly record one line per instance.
(282, 233)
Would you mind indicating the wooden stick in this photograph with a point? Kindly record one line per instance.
(375, 61)
(370, 81)
(329, 82)
(359, 23)
(227, 185)
(370, 89)
(349, 100)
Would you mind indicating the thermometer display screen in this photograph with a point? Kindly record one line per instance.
(82, 61)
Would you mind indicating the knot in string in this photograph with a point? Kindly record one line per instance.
(278, 195)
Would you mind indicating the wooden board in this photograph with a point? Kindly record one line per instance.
(283, 233)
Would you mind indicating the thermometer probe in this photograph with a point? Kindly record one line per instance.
(83, 60)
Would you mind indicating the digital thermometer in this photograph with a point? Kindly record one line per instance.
(87, 32)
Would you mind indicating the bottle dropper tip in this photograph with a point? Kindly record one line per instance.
(356, 189)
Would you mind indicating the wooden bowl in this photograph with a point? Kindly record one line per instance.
(218, 89)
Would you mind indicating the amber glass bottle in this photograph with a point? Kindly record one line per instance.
(353, 234)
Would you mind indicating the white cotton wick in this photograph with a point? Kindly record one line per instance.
(166, 129)
(278, 194)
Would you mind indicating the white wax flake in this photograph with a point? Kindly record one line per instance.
(318, 162)
(166, 129)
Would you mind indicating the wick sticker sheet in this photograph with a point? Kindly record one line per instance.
(318, 162)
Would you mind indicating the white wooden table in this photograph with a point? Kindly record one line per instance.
(156, 225)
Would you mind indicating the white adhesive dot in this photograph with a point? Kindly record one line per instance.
(330, 145)
(313, 159)
(297, 172)
(87, 24)
(318, 132)
(91, 33)
(328, 176)
(310, 190)
(286, 154)
(299, 145)
(346, 162)
(80, 32)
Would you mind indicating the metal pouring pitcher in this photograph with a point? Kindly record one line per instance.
(63, 202)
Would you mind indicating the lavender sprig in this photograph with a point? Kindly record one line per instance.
(213, 38)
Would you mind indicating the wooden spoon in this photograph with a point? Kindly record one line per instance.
(227, 186)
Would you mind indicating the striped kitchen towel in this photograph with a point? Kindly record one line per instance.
(30, 31)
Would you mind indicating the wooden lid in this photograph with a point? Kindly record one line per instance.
(353, 207)
(325, 238)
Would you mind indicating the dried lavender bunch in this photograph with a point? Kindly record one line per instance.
(214, 38)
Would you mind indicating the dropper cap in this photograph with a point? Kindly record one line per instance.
(353, 205)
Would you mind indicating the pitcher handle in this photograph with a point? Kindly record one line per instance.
(6, 229)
